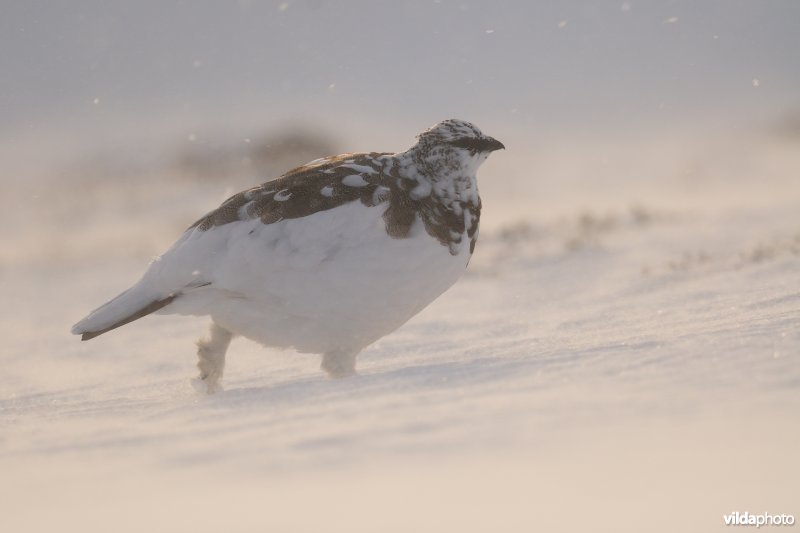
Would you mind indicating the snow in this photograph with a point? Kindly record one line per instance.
(622, 355)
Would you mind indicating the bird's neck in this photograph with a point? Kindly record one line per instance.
(446, 175)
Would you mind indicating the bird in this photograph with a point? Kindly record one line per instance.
(325, 259)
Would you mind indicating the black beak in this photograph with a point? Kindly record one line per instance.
(490, 144)
(484, 144)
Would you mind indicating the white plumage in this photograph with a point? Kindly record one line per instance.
(326, 259)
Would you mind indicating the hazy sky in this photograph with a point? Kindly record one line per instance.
(563, 64)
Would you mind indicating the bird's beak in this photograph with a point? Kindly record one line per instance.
(490, 144)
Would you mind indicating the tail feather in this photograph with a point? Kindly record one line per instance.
(144, 311)
(138, 301)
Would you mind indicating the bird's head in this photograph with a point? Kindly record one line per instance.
(453, 146)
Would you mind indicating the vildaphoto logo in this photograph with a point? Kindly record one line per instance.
(764, 519)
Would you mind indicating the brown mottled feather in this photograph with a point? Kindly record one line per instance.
(301, 189)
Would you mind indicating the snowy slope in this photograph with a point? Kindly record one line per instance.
(621, 356)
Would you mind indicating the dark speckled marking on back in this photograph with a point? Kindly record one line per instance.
(299, 193)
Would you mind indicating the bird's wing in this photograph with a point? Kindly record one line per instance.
(317, 186)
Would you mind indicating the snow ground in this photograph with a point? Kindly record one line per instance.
(622, 355)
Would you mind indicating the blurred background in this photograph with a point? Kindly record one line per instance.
(633, 363)
(598, 102)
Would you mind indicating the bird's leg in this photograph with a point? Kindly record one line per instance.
(339, 363)
(211, 358)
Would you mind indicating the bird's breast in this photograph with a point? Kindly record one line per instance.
(334, 276)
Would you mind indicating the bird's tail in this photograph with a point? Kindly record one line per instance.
(131, 305)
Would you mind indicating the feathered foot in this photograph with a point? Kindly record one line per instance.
(211, 359)
(339, 364)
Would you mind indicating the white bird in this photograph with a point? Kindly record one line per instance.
(326, 259)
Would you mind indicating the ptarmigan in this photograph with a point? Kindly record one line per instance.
(325, 259)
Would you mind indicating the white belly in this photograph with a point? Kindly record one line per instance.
(333, 280)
